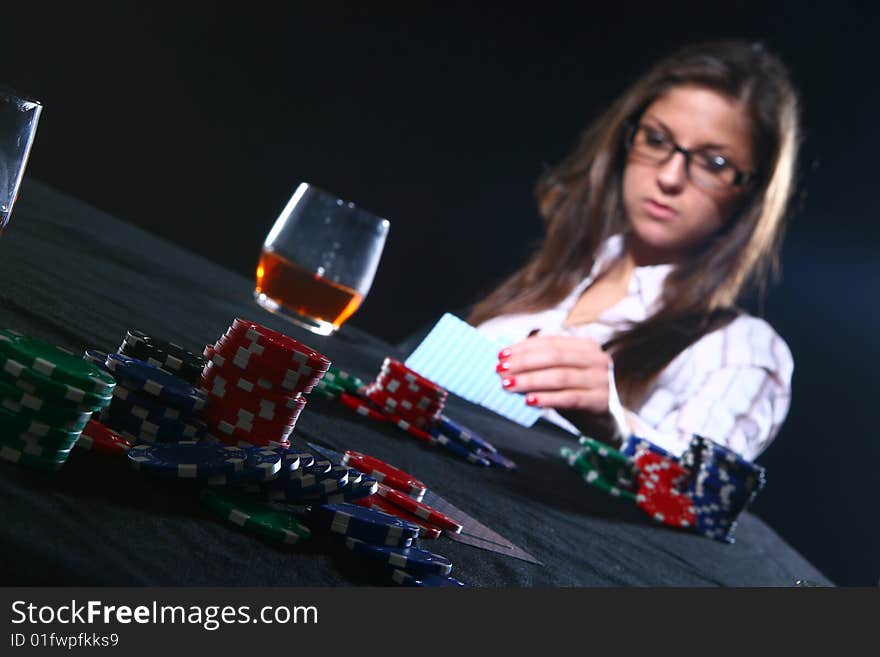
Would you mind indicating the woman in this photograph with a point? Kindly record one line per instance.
(670, 206)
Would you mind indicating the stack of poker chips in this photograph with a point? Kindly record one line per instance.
(47, 397)
(722, 485)
(257, 379)
(415, 404)
(149, 405)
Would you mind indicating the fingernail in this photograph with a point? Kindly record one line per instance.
(508, 382)
(532, 400)
(504, 353)
(503, 366)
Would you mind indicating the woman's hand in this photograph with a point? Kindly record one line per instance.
(558, 371)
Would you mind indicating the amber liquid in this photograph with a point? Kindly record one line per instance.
(303, 291)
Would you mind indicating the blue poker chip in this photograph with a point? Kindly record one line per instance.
(355, 476)
(260, 464)
(138, 421)
(368, 525)
(187, 460)
(403, 578)
(634, 444)
(143, 377)
(462, 435)
(413, 561)
(364, 488)
(156, 410)
(306, 484)
(459, 450)
(498, 460)
(96, 357)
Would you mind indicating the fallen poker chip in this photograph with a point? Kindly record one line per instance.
(414, 561)
(255, 516)
(426, 529)
(461, 451)
(463, 435)
(384, 472)
(362, 408)
(420, 509)
(499, 460)
(367, 525)
(667, 505)
(55, 363)
(97, 437)
(187, 460)
(403, 578)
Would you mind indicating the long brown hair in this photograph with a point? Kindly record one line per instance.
(580, 202)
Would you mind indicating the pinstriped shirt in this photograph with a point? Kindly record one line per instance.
(733, 385)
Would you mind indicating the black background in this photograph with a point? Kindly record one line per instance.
(198, 122)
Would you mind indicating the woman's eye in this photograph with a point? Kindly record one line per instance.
(714, 163)
(655, 138)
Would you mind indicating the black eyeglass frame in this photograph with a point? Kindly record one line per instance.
(740, 179)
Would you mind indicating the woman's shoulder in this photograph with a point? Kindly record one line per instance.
(747, 341)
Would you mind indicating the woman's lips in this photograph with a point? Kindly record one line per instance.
(658, 210)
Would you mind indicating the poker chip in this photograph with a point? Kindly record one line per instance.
(140, 376)
(497, 459)
(353, 491)
(461, 451)
(666, 505)
(187, 460)
(97, 437)
(133, 420)
(368, 525)
(255, 516)
(155, 409)
(420, 509)
(426, 529)
(35, 446)
(163, 354)
(413, 561)
(461, 434)
(22, 458)
(361, 408)
(23, 423)
(403, 578)
(260, 464)
(54, 363)
(264, 341)
(597, 473)
(60, 419)
(17, 400)
(296, 460)
(384, 473)
(342, 380)
(55, 392)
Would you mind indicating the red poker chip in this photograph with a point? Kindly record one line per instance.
(419, 509)
(98, 437)
(426, 529)
(389, 404)
(660, 470)
(247, 359)
(383, 472)
(402, 394)
(361, 407)
(413, 384)
(666, 505)
(249, 382)
(414, 431)
(263, 340)
(411, 376)
(230, 430)
(262, 403)
(268, 379)
(243, 419)
(239, 442)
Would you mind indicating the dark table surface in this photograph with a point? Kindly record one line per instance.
(80, 278)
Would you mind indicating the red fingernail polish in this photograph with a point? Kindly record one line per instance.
(504, 353)
(531, 400)
(503, 366)
(508, 382)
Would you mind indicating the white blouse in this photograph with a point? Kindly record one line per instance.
(733, 385)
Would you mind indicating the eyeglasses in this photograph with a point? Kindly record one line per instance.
(705, 168)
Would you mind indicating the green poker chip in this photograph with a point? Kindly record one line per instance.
(57, 393)
(610, 476)
(14, 423)
(255, 516)
(343, 380)
(21, 458)
(22, 402)
(55, 363)
(35, 446)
